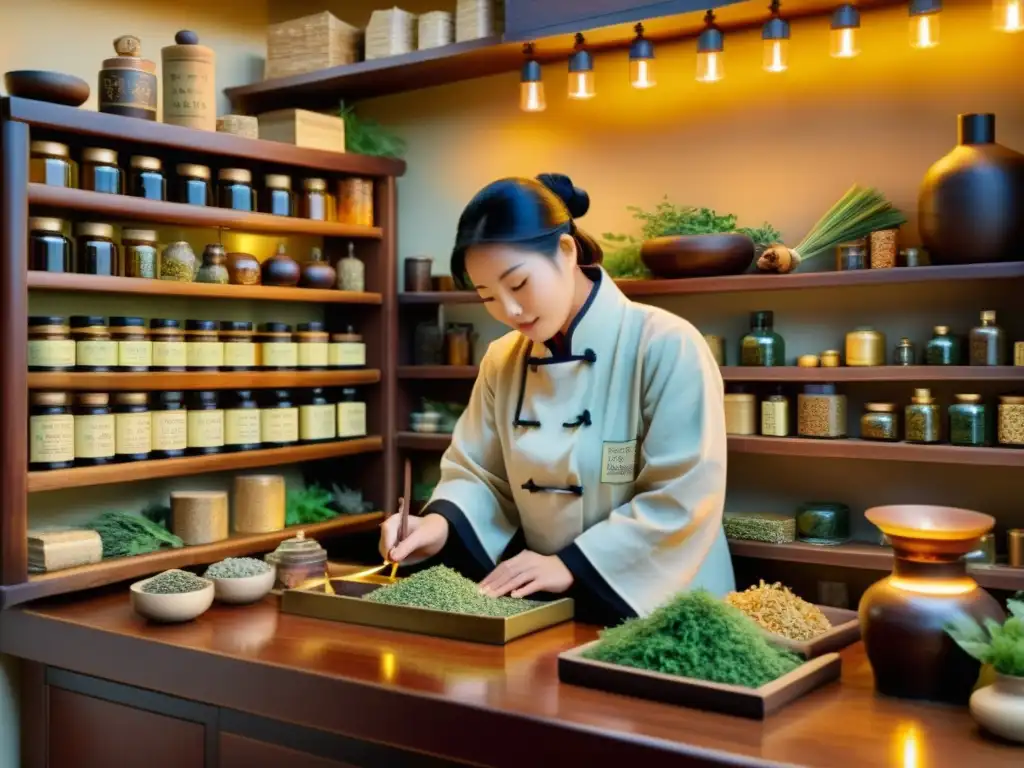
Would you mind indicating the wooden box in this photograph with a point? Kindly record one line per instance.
(754, 703)
(309, 44)
(310, 130)
(845, 631)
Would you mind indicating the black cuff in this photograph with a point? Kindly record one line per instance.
(596, 601)
(462, 552)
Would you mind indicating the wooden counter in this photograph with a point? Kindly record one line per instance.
(248, 686)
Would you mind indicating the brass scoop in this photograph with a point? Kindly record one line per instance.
(370, 574)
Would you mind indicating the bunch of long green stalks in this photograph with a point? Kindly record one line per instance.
(857, 214)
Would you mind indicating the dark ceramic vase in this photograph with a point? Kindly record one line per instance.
(317, 273)
(903, 617)
(281, 269)
(971, 203)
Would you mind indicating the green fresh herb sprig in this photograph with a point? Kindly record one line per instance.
(858, 213)
(1001, 645)
(309, 505)
(364, 136)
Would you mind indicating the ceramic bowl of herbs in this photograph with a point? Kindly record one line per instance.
(241, 580)
(172, 596)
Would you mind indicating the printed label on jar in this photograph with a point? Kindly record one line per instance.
(206, 429)
(351, 419)
(134, 354)
(279, 354)
(170, 430)
(133, 433)
(204, 354)
(317, 422)
(279, 425)
(169, 354)
(347, 354)
(96, 353)
(313, 355)
(94, 436)
(240, 354)
(51, 354)
(52, 438)
(241, 426)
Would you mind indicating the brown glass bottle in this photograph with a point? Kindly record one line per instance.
(170, 425)
(234, 189)
(94, 430)
(192, 187)
(241, 421)
(100, 172)
(96, 252)
(48, 249)
(133, 426)
(51, 432)
(987, 342)
(205, 424)
(278, 198)
(279, 420)
(146, 178)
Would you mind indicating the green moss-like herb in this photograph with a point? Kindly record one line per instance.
(368, 137)
(1001, 645)
(442, 589)
(124, 534)
(696, 636)
(309, 505)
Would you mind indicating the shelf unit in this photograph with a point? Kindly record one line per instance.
(370, 458)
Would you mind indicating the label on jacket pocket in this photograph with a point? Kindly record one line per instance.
(618, 462)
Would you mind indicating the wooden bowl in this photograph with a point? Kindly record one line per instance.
(40, 85)
(698, 255)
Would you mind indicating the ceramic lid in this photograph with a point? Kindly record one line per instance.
(297, 550)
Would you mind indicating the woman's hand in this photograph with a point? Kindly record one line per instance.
(426, 537)
(527, 573)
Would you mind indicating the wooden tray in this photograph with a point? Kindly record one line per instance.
(346, 604)
(754, 703)
(845, 631)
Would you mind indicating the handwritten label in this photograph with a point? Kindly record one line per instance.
(618, 462)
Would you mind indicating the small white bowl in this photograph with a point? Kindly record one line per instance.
(173, 608)
(245, 590)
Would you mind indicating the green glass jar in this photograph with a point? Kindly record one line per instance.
(762, 346)
(987, 342)
(879, 422)
(824, 523)
(968, 421)
(942, 349)
(922, 421)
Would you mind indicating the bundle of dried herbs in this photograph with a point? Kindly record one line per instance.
(442, 589)
(124, 534)
(174, 582)
(236, 568)
(696, 635)
(778, 610)
(765, 526)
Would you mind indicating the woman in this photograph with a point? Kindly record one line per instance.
(590, 460)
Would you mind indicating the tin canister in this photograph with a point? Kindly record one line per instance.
(865, 347)
(190, 95)
(127, 82)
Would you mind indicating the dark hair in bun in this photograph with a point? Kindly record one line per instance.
(530, 213)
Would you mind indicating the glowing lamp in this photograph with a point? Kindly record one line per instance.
(710, 48)
(531, 86)
(843, 35)
(1008, 15)
(641, 60)
(581, 71)
(775, 37)
(924, 23)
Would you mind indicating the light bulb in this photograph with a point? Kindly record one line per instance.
(710, 47)
(531, 97)
(844, 43)
(709, 67)
(776, 55)
(1009, 15)
(581, 85)
(641, 73)
(924, 30)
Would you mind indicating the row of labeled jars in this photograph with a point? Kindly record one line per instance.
(821, 412)
(166, 425)
(192, 184)
(865, 346)
(126, 344)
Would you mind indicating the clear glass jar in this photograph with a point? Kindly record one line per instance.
(178, 263)
(95, 351)
(852, 255)
(192, 187)
(921, 420)
(203, 348)
(141, 253)
(239, 347)
(241, 421)
(346, 350)
(234, 189)
(205, 423)
(170, 425)
(351, 415)
(1010, 429)
(50, 347)
(313, 203)
(943, 349)
(95, 249)
(169, 350)
(879, 422)
(146, 178)
(278, 198)
(312, 346)
(355, 201)
(279, 420)
(94, 429)
(134, 349)
(968, 421)
(50, 163)
(821, 412)
(351, 272)
(48, 249)
(100, 171)
(276, 349)
(762, 346)
(317, 418)
(133, 427)
(51, 432)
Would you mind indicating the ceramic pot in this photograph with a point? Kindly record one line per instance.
(243, 269)
(178, 262)
(697, 255)
(999, 708)
(971, 203)
(317, 273)
(281, 269)
(213, 269)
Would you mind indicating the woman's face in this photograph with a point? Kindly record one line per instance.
(526, 290)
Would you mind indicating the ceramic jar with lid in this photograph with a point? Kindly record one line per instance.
(351, 414)
(312, 346)
(51, 432)
(128, 83)
(178, 263)
(243, 269)
(204, 350)
(879, 422)
(346, 350)
(189, 88)
(213, 269)
(48, 249)
(133, 427)
(94, 429)
(134, 348)
(317, 418)
(279, 420)
(276, 347)
(170, 425)
(95, 351)
(237, 338)
(169, 350)
(297, 561)
(904, 353)
(865, 347)
(317, 272)
(281, 269)
(50, 347)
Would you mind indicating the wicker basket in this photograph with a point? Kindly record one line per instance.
(434, 30)
(390, 33)
(309, 44)
(478, 18)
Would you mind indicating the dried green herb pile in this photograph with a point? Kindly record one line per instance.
(696, 636)
(174, 582)
(442, 589)
(124, 534)
(236, 568)
(767, 527)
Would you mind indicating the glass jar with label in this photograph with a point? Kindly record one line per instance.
(50, 347)
(278, 198)
(95, 251)
(241, 421)
(276, 349)
(95, 351)
(192, 187)
(346, 350)
(133, 427)
(203, 348)
(170, 425)
(279, 420)
(100, 172)
(239, 347)
(168, 345)
(51, 432)
(351, 414)
(134, 349)
(146, 178)
(48, 249)
(205, 423)
(317, 418)
(94, 429)
(234, 189)
(140, 253)
(313, 203)
(312, 343)
(50, 163)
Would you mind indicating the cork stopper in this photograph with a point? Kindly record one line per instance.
(92, 398)
(277, 181)
(922, 397)
(941, 330)
(131, 398)
(988, 317)
(128, 45)
(146, 163)
(880, 407)
(968, 398)
(50, 398)
(44, 224)
(314, 185)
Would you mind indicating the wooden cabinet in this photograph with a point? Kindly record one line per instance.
(532, 19)
(242, 752)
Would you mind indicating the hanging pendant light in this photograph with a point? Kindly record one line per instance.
(924, 23)
(531, 86)
(845, 23)
(710, 47)
(581, 71)
(1008, 15)
(641, 60)
(775, 34)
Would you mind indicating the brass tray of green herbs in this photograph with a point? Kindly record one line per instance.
(437, 601)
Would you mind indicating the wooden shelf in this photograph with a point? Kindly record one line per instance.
(107, 474)
(123, 568)
(438, 297)
(85, 122)
(66, 281)
(158, 381)
(438, 371)
(424, 441)
(119, 207)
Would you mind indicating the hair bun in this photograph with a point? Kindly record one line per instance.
(576, 200)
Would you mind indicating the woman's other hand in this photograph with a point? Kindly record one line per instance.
(527, 573)
(426, 537)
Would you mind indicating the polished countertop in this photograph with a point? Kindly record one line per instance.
(488, 705)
